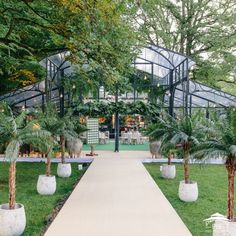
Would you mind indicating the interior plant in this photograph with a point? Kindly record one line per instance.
(222, 143)
(15, 130)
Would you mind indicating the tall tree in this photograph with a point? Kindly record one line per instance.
(95, 33)
(202, 29)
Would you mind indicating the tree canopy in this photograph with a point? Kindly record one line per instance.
(202, 29)
(95, 32)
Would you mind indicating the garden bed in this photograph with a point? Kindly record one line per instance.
(212, 183)
(40, 210)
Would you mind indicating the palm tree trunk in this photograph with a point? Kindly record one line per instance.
(231, 175)
(63, 143)
(169, 160)
(48, 166)
(170, 156)
(12, 185)
(186, 172)
(186, 169)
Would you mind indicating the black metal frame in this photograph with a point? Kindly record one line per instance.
(177, 79)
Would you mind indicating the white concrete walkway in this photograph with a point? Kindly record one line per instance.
(117, 197)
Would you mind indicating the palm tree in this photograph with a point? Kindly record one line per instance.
(50, 121)
(66, 128)
(16, 132)
(184, 134)
(70, 129)
(222, 143)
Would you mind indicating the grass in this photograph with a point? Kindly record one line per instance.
(38, 208)
(123, 147)
(212, 184)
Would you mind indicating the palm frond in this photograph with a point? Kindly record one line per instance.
(232, 150)
(12, 150)
(20, 119)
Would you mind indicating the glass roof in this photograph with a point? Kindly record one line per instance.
(60, 61)
(163, 60)
(203, 96)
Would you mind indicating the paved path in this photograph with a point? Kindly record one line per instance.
(117, 197)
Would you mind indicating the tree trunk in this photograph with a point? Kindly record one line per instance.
(63, 144)
(48, 166)
(182, 27)
(12, 185)
(231, 175)
(186, 171)
(170, 156)
(169, 160)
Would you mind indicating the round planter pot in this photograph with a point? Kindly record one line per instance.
(12, 222)
(64, 170)
(46, 185)
(188, 192)
(224, 228)
(232, 228)
(168, 171)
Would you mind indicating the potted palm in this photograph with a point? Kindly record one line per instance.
(70, 131)
(46, 184)
(168, 171)
(66, 128)
(157, 132)
(183, 134)
(16, 132)
(222, 143)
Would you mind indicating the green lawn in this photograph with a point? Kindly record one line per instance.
(123, 147)
(212, 183)
(38, 208)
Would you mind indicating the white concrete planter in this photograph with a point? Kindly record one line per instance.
(232, 228)
(188, 192)
(80, 167)
(224, 228)
(46, 185)
(168, 171)
(64, 170)
(12, 222)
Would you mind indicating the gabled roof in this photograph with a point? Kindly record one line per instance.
(163, 60)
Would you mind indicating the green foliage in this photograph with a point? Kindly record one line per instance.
(15, 131)
(99, 109)
(96, 33)
(222, 141)
(197, 28)
(185, 133)
(68, 125)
